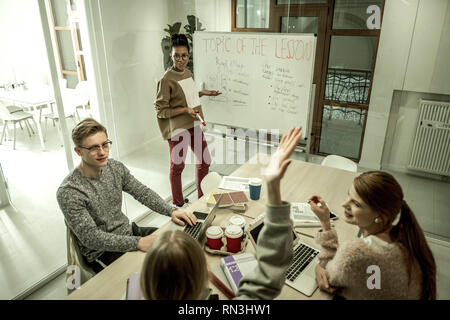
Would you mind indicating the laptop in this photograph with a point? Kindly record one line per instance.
(300, 274)
(204, 221)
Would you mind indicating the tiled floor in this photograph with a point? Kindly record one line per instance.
(33, 241)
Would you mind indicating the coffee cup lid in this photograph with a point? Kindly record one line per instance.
(233, 231)
(255, 181)
(214, 232)
(237, 220)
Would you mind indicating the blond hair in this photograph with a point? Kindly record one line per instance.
(84, 129)
(174, 268)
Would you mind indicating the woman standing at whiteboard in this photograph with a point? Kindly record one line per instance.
(179, 123)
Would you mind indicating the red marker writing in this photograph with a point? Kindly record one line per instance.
(203, 122)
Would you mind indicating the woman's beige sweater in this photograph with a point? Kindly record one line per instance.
(169, 96)
(347, 266)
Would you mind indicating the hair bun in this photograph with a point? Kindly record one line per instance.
(179, 36)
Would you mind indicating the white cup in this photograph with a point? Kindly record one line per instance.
(238, 221)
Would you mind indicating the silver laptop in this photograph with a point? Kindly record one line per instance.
(300, 274)
(204, 220)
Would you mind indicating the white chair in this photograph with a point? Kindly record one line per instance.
(73, 99)
(339, 162)
(14, 118)
(210, 182)
(69, 110)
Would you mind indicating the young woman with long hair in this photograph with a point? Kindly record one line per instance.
(391, 260)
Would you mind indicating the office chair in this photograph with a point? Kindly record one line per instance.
(75, 258)
(210, 182)
(14, 118)
(339, 162)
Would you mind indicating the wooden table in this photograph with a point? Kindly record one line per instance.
(300, 182)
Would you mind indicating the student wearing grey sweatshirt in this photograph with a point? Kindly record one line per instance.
(91, 200)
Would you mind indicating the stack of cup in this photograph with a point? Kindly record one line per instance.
(233, 233)
(214, 236)
(255, 188)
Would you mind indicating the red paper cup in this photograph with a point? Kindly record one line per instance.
(233, 234)
(214, 236)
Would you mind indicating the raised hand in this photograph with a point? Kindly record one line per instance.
(278, 165)
(280, 159)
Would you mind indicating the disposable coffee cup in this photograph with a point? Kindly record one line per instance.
(233, 234)
(214, 236)
(238, 221)
(255, 188)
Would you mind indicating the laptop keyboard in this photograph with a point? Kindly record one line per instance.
(194, 230)
(303, 255)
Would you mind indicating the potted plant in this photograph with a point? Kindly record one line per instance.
(193, 25)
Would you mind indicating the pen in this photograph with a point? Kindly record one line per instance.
(203, 122)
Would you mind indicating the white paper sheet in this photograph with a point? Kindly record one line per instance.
(234, 183)
(301, 212)
(190, 91)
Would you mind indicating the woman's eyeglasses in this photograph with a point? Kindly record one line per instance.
(94, 149)
(177, 57)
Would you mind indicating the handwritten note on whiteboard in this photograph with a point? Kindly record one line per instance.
(265, 79)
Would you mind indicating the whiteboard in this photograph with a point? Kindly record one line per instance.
(265, 78)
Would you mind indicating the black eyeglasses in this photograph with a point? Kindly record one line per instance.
(104, 146)
(178, 57)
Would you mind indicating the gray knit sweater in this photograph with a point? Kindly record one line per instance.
(274, 254)
(92, 209)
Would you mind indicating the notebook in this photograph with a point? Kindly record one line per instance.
(237, 266)
(228, 198)
(300, 274)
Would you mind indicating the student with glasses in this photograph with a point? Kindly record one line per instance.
(176, 119)
(90, 198)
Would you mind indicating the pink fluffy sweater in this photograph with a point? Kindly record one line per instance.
(347, 265)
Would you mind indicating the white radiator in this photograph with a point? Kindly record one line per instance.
(431, 149)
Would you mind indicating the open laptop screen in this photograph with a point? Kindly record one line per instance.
(254, 232)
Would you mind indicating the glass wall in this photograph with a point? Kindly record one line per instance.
(34, 153)
(369, 87)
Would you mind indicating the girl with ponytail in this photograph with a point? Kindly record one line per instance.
(392, 243)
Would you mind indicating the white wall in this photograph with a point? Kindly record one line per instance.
(125, 38)
(215, 15)
(429, 62)
(412, 55)
(23, 56)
